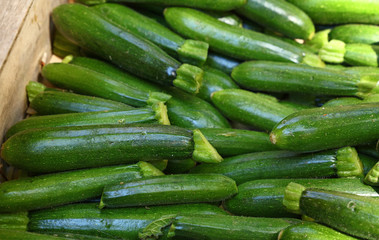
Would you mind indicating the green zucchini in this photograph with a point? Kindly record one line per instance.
(221, 63)
(62, 47)
(78, 236)
(169, 189)
(295, 105)
(17, 221)
(279, 16)
(264, 197)
(231, 142)
(340, 11)
(349, 213)
(289, 77)
(216, 227)
(356, 33)
(311, 230)
(337, 127)
(222, 5)
(363, 71)
(368, 162)
(17, 235)
(250, 108)
(189, 51)
(343, 162)
(343, 101)
(119, 223)
(36, 150)
(141, 115)
(61, 188)
(372, 177)
(229, 40)
(179, 166)
(318, 41)
(160, 165)
(359, 54)
(90, 31)
(369, 150)
(226, 17)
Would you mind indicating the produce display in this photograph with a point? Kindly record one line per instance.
(203, 119)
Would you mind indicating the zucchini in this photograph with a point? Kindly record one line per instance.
(14, 221)
(343, 162)
(369, 150)
(17, 235)
(229, 40)
(264, 197)
(311, 230)
(362, 71)
(343, 101)
(119, 223)
(349, 213)
(61, 188)
(368, 162)
(279, 16)
(372, 177)
(289, 77)
(231, 142)
(62, 47)
(142, 115)
(90, 31)
(340, 11)
(179, 166)
(318, 41)
(216, 227)
(256, 110)
(189, 51)
(359, 54)
(337, 127)
(226, 17)
(36, 150)
(356, 33)
(169, 189)
(221, 63)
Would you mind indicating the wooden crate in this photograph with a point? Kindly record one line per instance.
(25, 45)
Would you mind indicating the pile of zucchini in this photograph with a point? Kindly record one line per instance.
(203, 119)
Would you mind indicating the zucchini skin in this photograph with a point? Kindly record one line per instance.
(343, 125)
(250, 108)
(356, 33)
(61, 188)
(359, 54)
(231, 142)
(311, 230)
(141, 115)
(264, 197)
(279, 16)
(229, 40)
(179, 166)
(221, 62)
(169, 189)
(56, 102)
(329, 12)
(17, 235)
(14, 221)
(289, 77)
(119, 223)
(36, 150)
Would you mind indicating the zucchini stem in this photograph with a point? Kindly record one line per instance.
(160, 110)
(372, 177)
(333, 52)
(154, 229)
(193, 52)
(292, 195)
(189, 78)
(148, 170)
(204, 151)
(348, 163)
(33, 89)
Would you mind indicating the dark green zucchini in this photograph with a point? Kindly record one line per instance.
(289, 77)
(36, 150)
(8, 234)
(343, 162)
(279, 16)
(325, 128)
(229, 40)
(256, 110)
(17, 221)
(179, 166)
(119, 223)
(221, 63)
(264, 197)
(311, 230)
(229, 18)
(231, 142)
(90, 31)
(61, 188)
(367, 161)
(169, 189)
(340, 11)
(189, 51)
(349, 213)
(356, 33)
(369, 149)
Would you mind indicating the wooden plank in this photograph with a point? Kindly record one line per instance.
(23, 62)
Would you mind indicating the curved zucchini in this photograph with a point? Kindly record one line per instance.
(279, 16)
(90, 31)
(169, 189)
(66, 187)
(337, 127)
(356, 33)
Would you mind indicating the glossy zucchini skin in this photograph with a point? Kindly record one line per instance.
(329, 12)
(66, 187)
(250, 108)
(140, 115)
(169, 189)
(119, 223)
(311, 230)
(14, 221)
(36, 150)
(24, 235)
(348, 125)
(220, 62)
(279, 16)
(356, 33)
(57, 102)
(359, 54)
(230, 142)
(229, 40)
(289, 77)
(264, 197)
